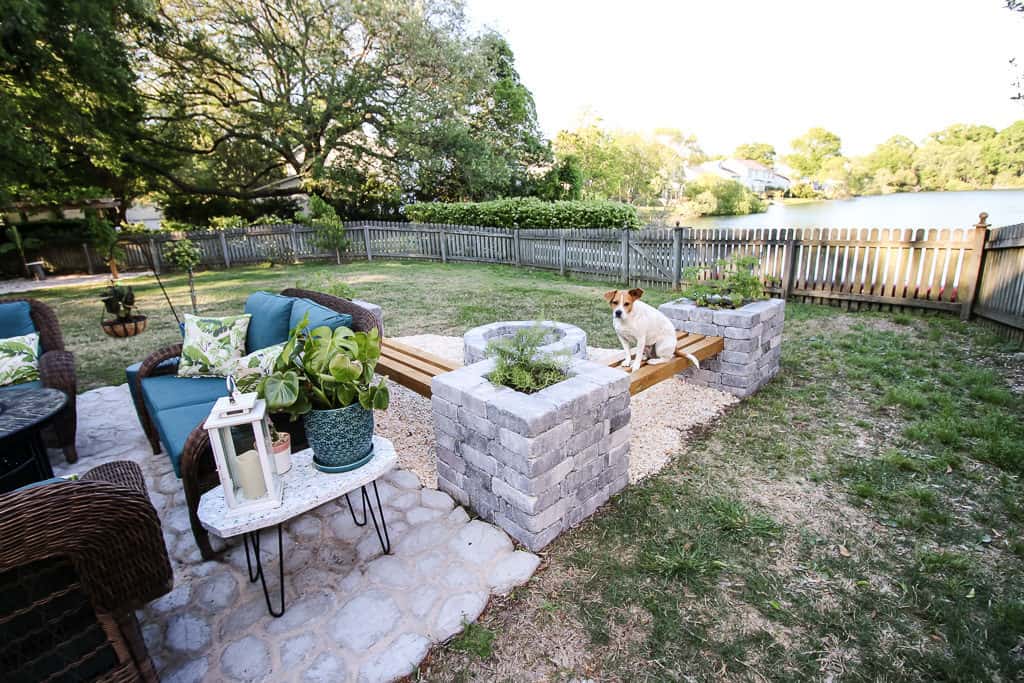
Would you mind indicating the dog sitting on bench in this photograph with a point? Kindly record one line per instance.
(637, 323)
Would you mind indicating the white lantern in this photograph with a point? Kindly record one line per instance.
(240, 438)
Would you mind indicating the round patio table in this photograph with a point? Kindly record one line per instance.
(23, 414)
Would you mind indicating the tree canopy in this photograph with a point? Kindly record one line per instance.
(760, 152)
(812, 150)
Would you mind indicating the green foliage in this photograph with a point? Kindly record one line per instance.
(104, 237)
(521, 366)
(330, 231)
(118, 300)
(70, 108)
(475, 639)
(200, 210)
(227, 223)
(323, 369)
(760, 152)
(563, 181)
(804, 191)
(715, 196)
(738, 283)
(528, 213)
(812, 150)
(627, 166)
(183, 253)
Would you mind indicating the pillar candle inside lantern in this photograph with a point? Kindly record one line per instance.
(250, 475)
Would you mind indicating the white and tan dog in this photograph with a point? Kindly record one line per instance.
(641, 325)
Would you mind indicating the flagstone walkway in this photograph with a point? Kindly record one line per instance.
(353, 614)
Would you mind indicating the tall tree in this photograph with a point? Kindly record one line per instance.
(760, 152)
(302, 86)
(69, 107)
(812, 150)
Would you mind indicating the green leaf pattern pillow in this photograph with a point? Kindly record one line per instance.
(250, 369)
(19, 359)
(212, 346)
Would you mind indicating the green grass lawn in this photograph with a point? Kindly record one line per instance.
(417, 298)
(858, 519)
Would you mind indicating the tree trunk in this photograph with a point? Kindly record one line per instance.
(192, 292)
(337, 255)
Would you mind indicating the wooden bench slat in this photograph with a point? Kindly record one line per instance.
(426, 357)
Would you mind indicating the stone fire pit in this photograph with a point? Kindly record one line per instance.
(561, 337)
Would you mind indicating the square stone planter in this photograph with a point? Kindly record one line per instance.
(753, 342)
(533, 464)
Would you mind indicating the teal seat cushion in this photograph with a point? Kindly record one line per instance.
(34, 384)
(132, 371)
(44, 482)
(270, 323)
(319, 316)
(174, 426)
(16, 319)
(170, 391)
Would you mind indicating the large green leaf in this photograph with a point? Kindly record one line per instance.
(344, 369)
(280, 389)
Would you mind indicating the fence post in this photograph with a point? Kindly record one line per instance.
(295, 243)
(624, 256)
(366, 240)
(156, 256)
(787, 266)
(677, 256)
(972, 269)
(444, 244)
(88, 257)
(515, 244)
(561, 254)
(224, 250)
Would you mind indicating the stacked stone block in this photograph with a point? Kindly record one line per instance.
(753, 343)
(535, 464)
(561, 338)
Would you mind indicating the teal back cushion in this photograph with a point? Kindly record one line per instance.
(16, 319)
(269, 325)
(319, 316)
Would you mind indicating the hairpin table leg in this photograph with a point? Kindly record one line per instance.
(253, 537)
(380, 527)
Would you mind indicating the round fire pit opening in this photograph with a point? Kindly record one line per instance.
(560, 337)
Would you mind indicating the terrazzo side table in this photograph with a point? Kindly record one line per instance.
(305, 488)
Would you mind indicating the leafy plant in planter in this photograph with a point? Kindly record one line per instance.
(325, 377)
(740, 284)
(119, 301)
(330, 232)
(521, 366)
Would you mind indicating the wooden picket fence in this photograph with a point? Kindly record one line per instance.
(973, 270)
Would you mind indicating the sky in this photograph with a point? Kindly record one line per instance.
(744, 71)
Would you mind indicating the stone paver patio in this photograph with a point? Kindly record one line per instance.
(353, 614)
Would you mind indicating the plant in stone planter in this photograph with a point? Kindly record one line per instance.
(739, 285)
(186, 255)
(119, 301)
(521, 366)
(325, 377)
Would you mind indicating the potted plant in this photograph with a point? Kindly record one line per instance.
(737, 285)
(185, 255)
(119, 301)
(325, 377)
(281, 447)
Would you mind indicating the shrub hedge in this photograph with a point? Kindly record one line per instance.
(527, 213)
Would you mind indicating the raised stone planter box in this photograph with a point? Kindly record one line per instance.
(533, 464)
(753, 342)
(561, 337)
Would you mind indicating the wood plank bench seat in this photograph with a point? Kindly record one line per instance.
(696, 345)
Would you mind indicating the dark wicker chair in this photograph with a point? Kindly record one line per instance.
(76, 560)
(56, 370)
(198, 473)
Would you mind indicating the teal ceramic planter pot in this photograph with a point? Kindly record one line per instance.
(340, 438)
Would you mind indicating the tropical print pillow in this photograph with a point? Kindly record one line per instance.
(212, 346)
(19, 359)
(250, 369)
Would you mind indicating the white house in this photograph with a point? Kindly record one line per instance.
(755, 176)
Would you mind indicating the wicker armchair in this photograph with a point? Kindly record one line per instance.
(198, 473)
(76, 560)
(56, 370)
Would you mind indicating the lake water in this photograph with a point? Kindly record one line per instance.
(919, 209)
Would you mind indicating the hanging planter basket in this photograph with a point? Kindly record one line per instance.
(128, 327)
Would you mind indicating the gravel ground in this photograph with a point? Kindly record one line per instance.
(662, 416)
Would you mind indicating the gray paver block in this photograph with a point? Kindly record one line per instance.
(188, 633)
(480, 543)
(247, 659)
(512, 570)
(456, 612)
(399, 658)
(326, 668)
(365, 620)
(294, 650)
